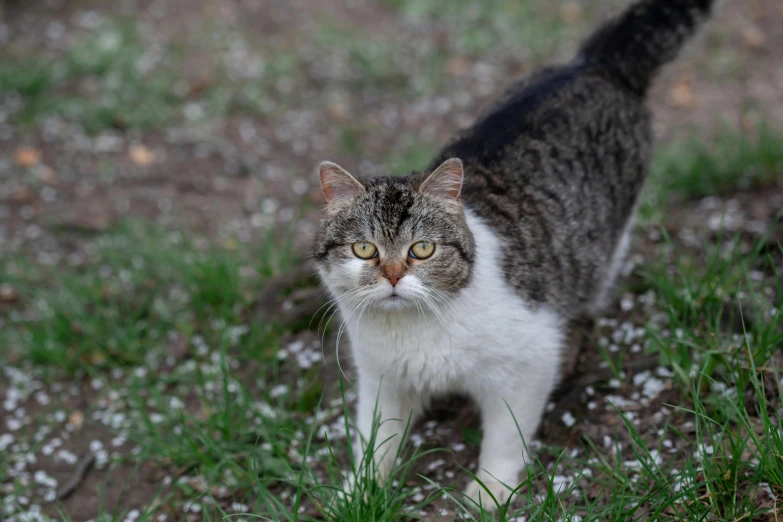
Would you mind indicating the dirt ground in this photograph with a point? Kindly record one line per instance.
(236, 174)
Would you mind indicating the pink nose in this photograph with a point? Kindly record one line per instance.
(393, 272)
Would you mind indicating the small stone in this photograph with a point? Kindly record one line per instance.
(571, 12)
(457, 66)
(22, 194)
(108, 143)
(47, 175)
(66, 456)
(682, 95)
(753, 37)
(6, 439)
(27, 157)
(76, 419)
(141, 155)
(8, 294)
(435, 465)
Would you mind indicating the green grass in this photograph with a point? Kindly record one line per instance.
(721, 333)
(409, 155)
(114, 321)
(709, 303)
(120, 310)
(732, 160)
(120, 314)
(109, 78)
(380, 64)
(99, 82)
(530, 30)
(209, 413)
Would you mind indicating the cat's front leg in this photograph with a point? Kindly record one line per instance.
(395, 409)
(511, 412)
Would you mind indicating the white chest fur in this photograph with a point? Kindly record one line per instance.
(484, 335)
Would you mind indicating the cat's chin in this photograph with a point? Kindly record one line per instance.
(394, 302)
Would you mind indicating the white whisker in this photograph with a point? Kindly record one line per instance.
(349, 297)
(342, 328)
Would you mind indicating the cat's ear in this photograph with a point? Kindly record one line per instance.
(445, 182)
(338, 185)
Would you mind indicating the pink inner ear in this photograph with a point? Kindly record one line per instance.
(445, 181)
(337, 184)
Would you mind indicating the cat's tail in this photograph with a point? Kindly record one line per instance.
(634, 45)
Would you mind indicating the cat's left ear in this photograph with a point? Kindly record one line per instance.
(445, 182)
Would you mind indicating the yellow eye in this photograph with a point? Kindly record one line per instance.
(422, 250)
(364, 250)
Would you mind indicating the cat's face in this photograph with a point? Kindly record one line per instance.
(394, 243)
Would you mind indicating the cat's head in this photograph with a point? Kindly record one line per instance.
(394, 242)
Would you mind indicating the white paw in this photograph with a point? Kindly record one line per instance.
(483, 495)
(351, 489)
(347, 490)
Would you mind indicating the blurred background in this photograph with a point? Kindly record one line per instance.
(211, 115)
(157, 172)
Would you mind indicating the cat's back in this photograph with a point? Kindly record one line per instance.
(555, 167)
(571, 109)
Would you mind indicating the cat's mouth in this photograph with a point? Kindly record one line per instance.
(393, 301)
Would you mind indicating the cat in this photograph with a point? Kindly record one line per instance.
(462, 277)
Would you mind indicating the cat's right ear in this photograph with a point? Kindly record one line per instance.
(338, 186)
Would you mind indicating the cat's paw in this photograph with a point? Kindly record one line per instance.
(345, 493)
(482, 495)
(350, 490)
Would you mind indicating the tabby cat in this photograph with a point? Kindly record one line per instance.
(462, 277)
